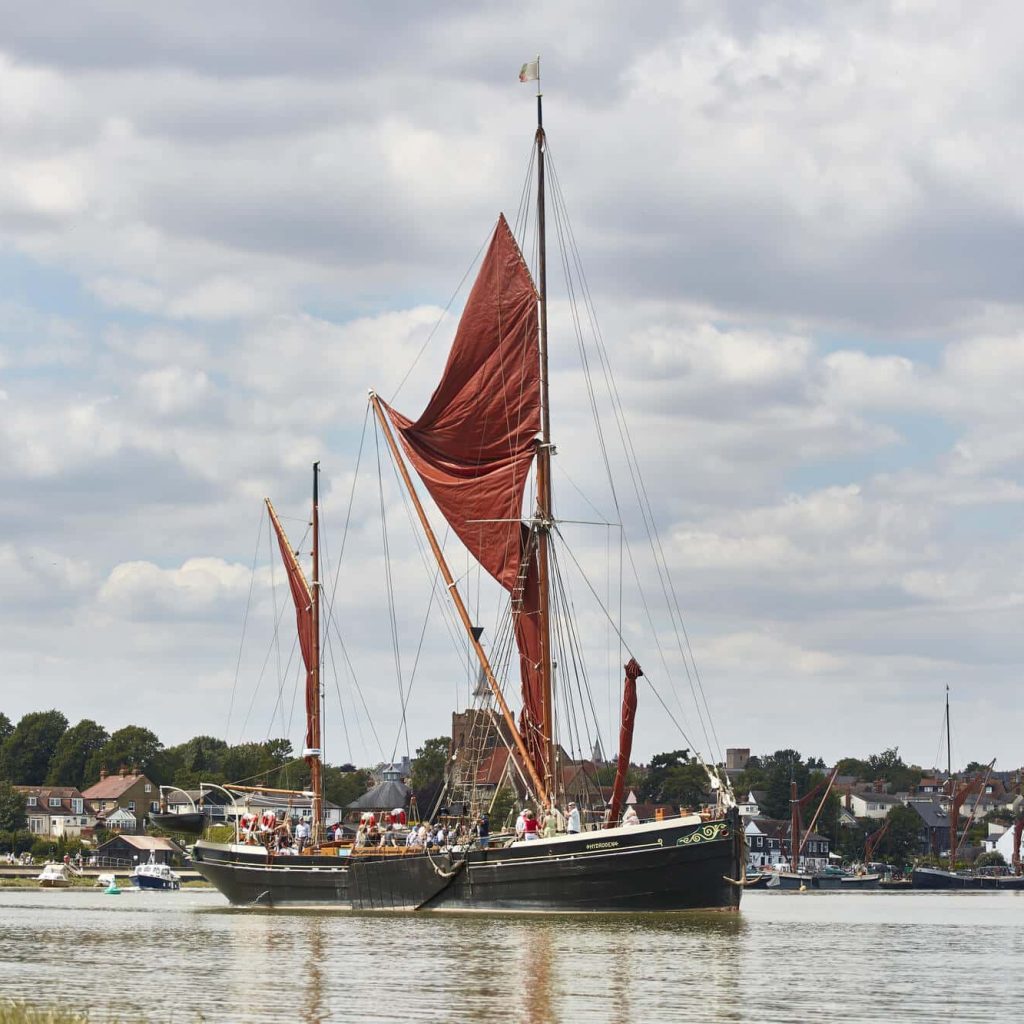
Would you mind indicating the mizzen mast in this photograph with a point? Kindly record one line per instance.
(306, 599)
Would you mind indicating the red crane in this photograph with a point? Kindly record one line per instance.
(1018, 829)
(874, 839)
(796, 844)
(960, 793)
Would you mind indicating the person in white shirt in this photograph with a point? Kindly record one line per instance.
(573, 824)
(521, 824)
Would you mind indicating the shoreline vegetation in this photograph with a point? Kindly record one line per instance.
(23, 1013)
(194, 884)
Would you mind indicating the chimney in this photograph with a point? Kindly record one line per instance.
(103, 773)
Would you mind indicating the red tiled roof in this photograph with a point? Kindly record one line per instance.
(112, 787)
(43, 794)
(148, 843)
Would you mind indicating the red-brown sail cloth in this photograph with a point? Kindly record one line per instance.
(303, 624)
(628, 717)
(474, 443)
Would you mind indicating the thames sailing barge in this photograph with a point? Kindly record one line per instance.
(473, 448)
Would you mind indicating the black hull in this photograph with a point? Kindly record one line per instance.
(188, 824)
(826, 883)
(934, 878)
(662, 867)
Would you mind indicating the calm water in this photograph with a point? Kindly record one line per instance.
(785, 957)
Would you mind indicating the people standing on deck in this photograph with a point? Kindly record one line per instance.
(550, 829)
(573, 823)
(483, 831)
(531, 827)
(521, 824)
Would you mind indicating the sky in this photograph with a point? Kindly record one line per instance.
(803, 234)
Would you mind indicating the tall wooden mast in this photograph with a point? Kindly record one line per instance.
(952, 788)
(542, 518)
(316, 773)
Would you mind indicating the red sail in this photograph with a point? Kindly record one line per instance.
(633, 672)
(303, 600)
(474, 443)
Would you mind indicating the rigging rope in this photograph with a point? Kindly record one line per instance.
(245, 623)
(640, 489)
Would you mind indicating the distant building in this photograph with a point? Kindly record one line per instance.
(751, 807)
(934, 835)
(736, 758)
(56, 811)
(768, 846)
(124, 850)
(871, 805)
(127, 790)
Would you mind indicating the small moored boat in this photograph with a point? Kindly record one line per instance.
(152, 875)
(55, 876)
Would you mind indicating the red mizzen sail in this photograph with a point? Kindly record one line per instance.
(303, 600)
(628, 717)
(474, 443)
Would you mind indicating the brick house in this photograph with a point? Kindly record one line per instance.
(126, 790)
(56, 811)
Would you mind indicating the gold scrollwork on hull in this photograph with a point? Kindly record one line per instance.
(704, 834)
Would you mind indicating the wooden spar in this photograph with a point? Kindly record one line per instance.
(267, 789)
(543, 516)
(814, 820)
(313, 758)
(316, 764)
(460, 607)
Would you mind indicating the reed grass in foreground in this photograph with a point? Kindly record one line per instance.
(22, 1013)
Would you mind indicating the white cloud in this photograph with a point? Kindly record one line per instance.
(801, 228)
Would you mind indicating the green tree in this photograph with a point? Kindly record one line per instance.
(12, 809)
(783, 767)
(890, 767)
(902, 840)
(134, 747)
(6, 728)
(429, 766)
(25, 755)
(75, 747)
(754, 776)
(342, 787)
(828, 820)
(258, 763)
(991, 859)
(854, 766)
(501, 808)
(199, 759)
(675, 778)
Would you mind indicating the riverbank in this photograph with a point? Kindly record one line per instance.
(22, 1013)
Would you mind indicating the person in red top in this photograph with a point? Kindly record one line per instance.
(532, 826)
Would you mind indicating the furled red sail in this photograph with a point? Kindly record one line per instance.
(303, 600)
(474, 443)
(627, 719)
